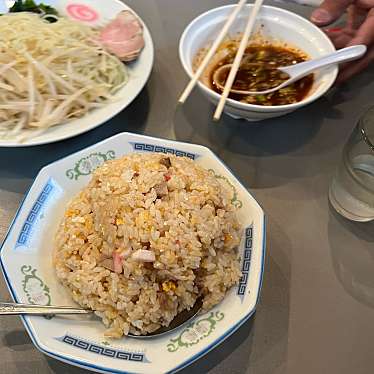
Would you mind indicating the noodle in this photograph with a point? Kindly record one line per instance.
(51, 73)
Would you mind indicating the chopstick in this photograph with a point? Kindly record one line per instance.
(211, 52)
(238, 58)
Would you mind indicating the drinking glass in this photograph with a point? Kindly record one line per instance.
(352, 189)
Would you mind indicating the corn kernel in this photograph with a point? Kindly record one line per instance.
(70, 213)
(119, 221)
(228, 238)
(169, 286)
(88, 224)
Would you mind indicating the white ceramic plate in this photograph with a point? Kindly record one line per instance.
(26, 264)
(95, 12)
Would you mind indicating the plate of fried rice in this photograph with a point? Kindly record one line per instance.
(137, 229)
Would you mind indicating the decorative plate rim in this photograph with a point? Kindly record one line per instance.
(76, 362)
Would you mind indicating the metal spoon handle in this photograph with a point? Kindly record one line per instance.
(17, 309)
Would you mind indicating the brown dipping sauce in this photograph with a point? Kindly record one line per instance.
(258, 73)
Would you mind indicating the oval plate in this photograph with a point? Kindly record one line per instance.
(93, 13)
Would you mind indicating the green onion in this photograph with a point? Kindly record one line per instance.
(260, 98)
(31, 6)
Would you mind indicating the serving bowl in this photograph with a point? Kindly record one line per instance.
(276, 24)
(26, 262)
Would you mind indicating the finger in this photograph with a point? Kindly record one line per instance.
(354, 68)
(334, 31)
(368, 4)
(340, 41)
(365, 34)
(356, 16)
(341, 38)
(329, 11)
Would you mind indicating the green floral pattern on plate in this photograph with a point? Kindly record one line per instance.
(86, 165)
(37, 292)
(234, 197)
(195, 332)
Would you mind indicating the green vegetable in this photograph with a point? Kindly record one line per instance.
(287, 90)
(260, 98)
(31, 6)
(261, 54)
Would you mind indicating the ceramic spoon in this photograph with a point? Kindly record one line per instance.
(298, 71)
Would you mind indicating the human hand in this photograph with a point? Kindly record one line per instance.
(359, 29)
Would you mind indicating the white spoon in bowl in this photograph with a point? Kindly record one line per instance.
(298, 71)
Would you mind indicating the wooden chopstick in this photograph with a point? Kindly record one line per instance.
(211, 52)
(238, 58)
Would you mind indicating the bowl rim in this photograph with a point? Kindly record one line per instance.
(252, 107)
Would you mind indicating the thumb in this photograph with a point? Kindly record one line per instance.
(329, 11)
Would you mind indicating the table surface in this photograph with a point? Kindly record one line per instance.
(316, 309)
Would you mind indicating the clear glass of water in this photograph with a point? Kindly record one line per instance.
(352, 189)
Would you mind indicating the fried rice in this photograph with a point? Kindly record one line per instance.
(144, 239)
